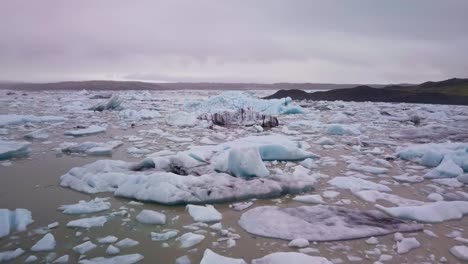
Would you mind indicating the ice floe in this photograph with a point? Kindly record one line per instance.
(84, 247)
(14, 119)
(151, 217)
(47, 243)
(89, 222)
(189, 239)
(10, 254)
(91, 148)
(123, 259)
(210, 257)
(91, 130)
(16, 220)
(204, 213)
(355, 184)
(12, 149)
(86, 207)
(291, 258)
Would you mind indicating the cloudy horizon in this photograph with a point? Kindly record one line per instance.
(263, 41)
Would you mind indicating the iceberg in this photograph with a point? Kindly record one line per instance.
(12, 149)
(189, 239)
(97, 221)
(246, 163)
(210, 257)
(83, 207)
(90, 148)
(151, 217)
(204, 213)
(320, 223)
(47, 243)
(16, 220)
(91, 130)
(291, 258)
(113, 103)
(13, 119)
(241, 117)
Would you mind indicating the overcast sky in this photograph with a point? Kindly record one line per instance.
(361, 41)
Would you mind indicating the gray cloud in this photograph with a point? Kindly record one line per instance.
(234, 41)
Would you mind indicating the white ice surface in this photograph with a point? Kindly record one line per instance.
(123, 259)
(16, 220)
(204, 213)
(151, 217)
(46, 243)
(91, 130)
(11, 149)
(210, 257)
(290, 258)
(86, 207)
(89, 222)
(429, 212)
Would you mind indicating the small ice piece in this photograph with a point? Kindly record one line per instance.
(461, 252)
(241, 206)
(11, 149)
(246, 162)
(431, 158)
(62, 259)
(112, 250)
(17, 220)
(311, 198)
(183, 260)
(446, 169)
(113, 103)
(204, 213)
(123, 259)
(330, 194)
(84, 247)
(91, 130)
(325, 141)
(126, 243)
(10, 254)
(181, 119)
(210, 257)
(372, 241)
(53, 225)
(410, 179)
(84, 207)
(13, 119)
(107, 239)
(406, 244)
(189, 240)
(90, 147)
(97, 221)
(369, 169)
(151, 217)
(373, 196)
(450, 182)
(29, 259)
(47, 243)
(291, 258)
(40, 134)
(163, 236)
(430, 212)
(435, 197)
(138, 151)
(299, 243)
(309, 164)
(338, 129)
(355, 184)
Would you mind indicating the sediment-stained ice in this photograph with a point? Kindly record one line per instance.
(291, 258)
(320, 223)
(210, 257)
(16, 220)
(12, 149)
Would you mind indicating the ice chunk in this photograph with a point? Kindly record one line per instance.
(107, 239)
(204, 213)
(29, 259)
(431, 158)
(12, 149)
(446, 169)
(123, 259)
(40, 134)
(299, 243)
(10, 254)
(320, 223)
(16, 220)
(405, 245)
(461, 252)
(83, 207)
(291, 258)
(91, 130)
(151, 217)
(210, 257)
(246, 163)
(91, 148)
(183, 260)
(235, 100)
(410, 179)
(163, 236)
(189, 239)
(182, 119)
(47, 243)
(88, 222)
(311, 198)
(338, 129)
(138, 151)
(430, 212)
(113, 103)
(325, 141)
(369, 169)
(13, 119)
(241, 206)
(143, 114)
(241, 117)
(373, 196)
(62, 259)
(356, 184)
(112, 250)
(126, 243)
(463, 178)
(84, 247)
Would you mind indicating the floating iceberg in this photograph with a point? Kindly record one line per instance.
(113, 103)
(429, 212)
(13, 119)
(151, 217)
(12, 149)
(204, 213)
(356, 184)
(16, 220)
(97, 221)
(11, 254)
(47, 243)
(83, 207)
(209, 257)
(90, 148)
(320, 223)
(291, 258)
(91, 130)
(235, 100)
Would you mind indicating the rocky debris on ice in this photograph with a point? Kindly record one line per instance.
(123, 259)
(84, 247)
(12, 149)
(10, 254)
(151, 217)
(461, 252)
(16, 220)
(47, 243)
(240, 117)
(291, 258)
(320, 223)
(91, 130)
(14, 119)
(90, 148)
(86, 207)
(210, 257)
(89, 222)
(235, 100)
(205, 213)
(189, 239)
(429, 212)
(113, 103)
(356, 184)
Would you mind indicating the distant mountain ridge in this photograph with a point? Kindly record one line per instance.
(451, 92)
